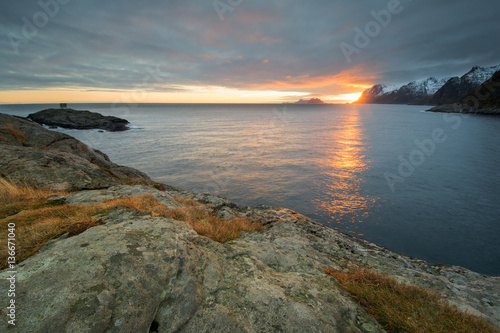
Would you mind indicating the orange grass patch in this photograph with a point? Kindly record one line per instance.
(400, 307)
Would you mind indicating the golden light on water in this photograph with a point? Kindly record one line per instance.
(345, 162)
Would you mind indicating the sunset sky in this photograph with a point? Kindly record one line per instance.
(235, 51)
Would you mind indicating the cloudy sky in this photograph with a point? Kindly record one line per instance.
(235, 50)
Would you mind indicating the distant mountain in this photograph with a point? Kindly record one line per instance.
(457, 87)
(410, 93)
(431, 91)
(376, 94)
(311, 101)
(482, 99)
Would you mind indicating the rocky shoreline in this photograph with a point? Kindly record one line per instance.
(142, 273)
(460, 108)
(53, 160)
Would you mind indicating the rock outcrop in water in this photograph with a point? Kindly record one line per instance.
(139, 273)
(37, 156)
(69, 118)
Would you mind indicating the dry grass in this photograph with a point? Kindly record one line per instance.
(15, 132)
(35, 227)
(14, 198)
(38, 221)
(207, 224)
(187, 202)
(405, 308)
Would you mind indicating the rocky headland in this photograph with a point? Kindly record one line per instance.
(484, 99)
(143, 272)
(53, 160)
(76, 119)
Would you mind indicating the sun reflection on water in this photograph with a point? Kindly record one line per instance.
(345, 161)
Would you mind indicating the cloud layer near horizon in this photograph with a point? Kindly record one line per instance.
(285, 45)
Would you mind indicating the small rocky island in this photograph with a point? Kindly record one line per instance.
(75, 119)
(144, 269)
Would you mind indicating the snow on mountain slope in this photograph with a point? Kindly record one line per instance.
(478, 75)
(431, 91)
(427, 86)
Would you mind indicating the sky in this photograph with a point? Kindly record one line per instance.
(235, 51)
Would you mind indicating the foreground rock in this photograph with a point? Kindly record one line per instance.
(34, 155)
(138, 273)
(69, 118)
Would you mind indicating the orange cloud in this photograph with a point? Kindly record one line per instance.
(349, 81)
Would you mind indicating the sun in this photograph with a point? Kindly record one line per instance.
(347, 98)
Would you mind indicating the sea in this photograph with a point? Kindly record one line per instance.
(419, 183)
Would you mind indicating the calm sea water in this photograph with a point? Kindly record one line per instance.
(423, 184)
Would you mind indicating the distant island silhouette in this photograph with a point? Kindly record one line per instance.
(311, 101)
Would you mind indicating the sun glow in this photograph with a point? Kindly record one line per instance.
(346, 98)
(171, 94)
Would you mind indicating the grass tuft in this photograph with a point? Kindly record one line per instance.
(207, 224)
(15, 198)
(15, 132)
(402, 307)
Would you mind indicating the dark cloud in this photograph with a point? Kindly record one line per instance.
(287, 45)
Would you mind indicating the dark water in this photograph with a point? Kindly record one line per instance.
(423, 184)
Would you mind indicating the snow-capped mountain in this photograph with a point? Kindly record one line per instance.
(457, 87)
(483, 99)
(430, 91)
(478, 74)
(407, 94)
(373, 94)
